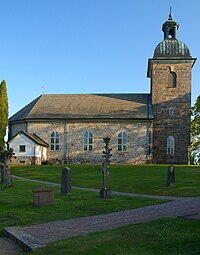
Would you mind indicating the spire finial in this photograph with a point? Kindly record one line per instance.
(170, 14)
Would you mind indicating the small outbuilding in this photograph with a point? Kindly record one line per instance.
(28, 148)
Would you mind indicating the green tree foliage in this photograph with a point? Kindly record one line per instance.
(3, 113)
(195, 132)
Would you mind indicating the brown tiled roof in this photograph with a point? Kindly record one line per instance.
(87, 106)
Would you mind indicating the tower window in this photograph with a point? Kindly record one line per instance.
(88, 141)
(171, 110)
(122, 142)
(172, 77)
(170, 145)
(55, 141)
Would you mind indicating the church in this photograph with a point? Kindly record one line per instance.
(144, 128)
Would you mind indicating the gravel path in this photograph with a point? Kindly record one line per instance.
(58, 230)
(97, 190)
(39, 235)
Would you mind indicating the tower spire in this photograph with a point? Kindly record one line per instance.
(170, 14)
(170, 27)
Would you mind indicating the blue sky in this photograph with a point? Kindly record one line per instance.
(87, 46)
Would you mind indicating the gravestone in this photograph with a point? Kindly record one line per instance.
(171, 176)
(6, 175)
(43, 196)
(66, 181)
(1, 169)
(105, 192)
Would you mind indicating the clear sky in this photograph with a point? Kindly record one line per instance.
(87, 46)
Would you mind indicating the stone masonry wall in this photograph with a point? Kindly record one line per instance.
(177, 124)
(71, 140)
(16, 128)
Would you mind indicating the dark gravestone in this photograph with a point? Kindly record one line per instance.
(66, 181)
(171, 176)
(2, 172)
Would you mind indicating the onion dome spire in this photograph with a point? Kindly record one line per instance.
(171, 47)
(170, 14)
(170, 27)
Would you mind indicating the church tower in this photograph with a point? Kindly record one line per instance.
(170, 72)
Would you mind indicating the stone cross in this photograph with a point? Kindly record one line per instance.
(6, 177)
(66, 181)
(105, 170)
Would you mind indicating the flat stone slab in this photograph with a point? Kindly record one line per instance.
(194, 216)
(24, 240)
(7, 247)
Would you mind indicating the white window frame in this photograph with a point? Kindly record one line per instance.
(88, 139)
(170, 145)
(122, 142)
(55, 141)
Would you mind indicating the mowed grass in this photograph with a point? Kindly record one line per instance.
(141, 179)
(16, 205)
(165, 236)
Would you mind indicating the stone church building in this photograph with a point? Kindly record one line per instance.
(144, 128)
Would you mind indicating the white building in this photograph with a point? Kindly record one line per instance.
(28, 148)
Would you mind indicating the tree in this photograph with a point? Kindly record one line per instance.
(3, 113)
(5, 153)
(195, 132)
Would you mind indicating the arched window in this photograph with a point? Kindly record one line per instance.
(170, 145)
(171, 110)
(172, 80)
(122, 141)
(55, 141)
(88, 141)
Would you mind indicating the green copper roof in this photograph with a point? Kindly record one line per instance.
(170, 48)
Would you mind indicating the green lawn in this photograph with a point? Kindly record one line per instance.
(17, 209)
(161, 237)
(166, 236)
(142, 179)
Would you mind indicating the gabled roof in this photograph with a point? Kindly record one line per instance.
(24, 112)
(33, 137)
(87, 106)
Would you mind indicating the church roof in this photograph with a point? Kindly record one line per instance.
(87, 106)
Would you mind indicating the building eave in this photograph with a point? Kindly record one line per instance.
(171, 61)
